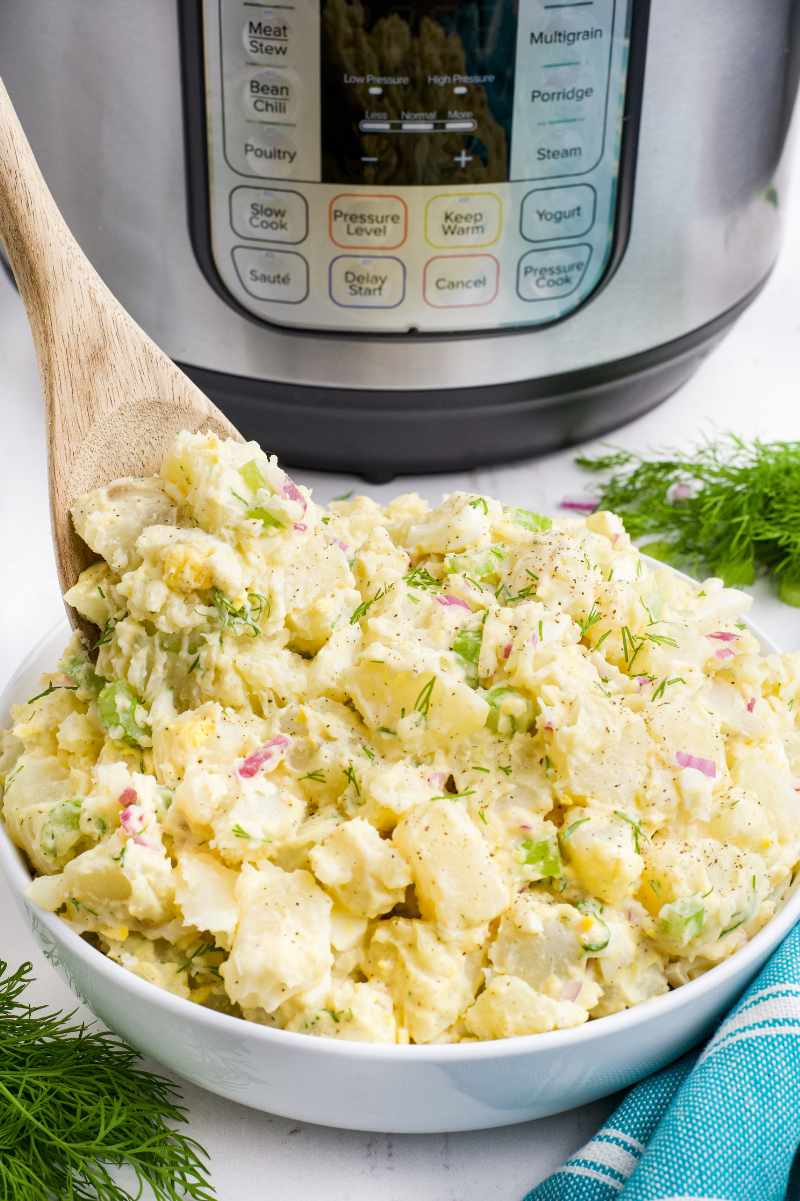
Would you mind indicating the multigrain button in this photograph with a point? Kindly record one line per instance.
(271, 96)
(269, 214)
(469, 219)
(552, 213)
(461, 281)
(280, 276)
(268, 151)
(369, 282)
(367, 222)
(552, 274)
(268, 36)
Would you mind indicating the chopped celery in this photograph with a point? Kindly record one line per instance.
(542, 854)
(251, 474)
(534, 522)
(267, 519)
(467, 645)
(122, 713)
(81, 669)
(60, 831)
(509, 711)
(682, 921)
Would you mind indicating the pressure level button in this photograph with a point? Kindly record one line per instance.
(280, 276)
(366, 222)
(554, 273)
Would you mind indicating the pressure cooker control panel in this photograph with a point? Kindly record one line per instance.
(389, 167)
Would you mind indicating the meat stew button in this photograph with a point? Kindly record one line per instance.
(280, 276)
(461, 281)
(552, 274)
(372, 282)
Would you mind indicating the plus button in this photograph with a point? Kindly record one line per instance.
(462, 159)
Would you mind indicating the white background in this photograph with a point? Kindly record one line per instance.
(750, 385)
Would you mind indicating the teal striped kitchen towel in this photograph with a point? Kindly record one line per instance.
(721, 1125)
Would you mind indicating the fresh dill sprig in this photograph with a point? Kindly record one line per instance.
(75, 1105)
(727, 506)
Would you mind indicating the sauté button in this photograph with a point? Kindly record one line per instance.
(552, 274)
(369, 282)
(269, 151)
(271, 96)
(269, 214)
(366, 222)
(551, 213)
(268, 37)
(461, 281)
(470, 219)
(280, 276)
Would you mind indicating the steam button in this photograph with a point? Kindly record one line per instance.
(280, 276)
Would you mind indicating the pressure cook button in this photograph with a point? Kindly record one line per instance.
(269, 151)
(269, 214)
(471, 219)
(280, 276)
(268, 36)
(271, 96)
(552, 274)
(372, 282)
(551, 213)
(367, 222)
(463, 281)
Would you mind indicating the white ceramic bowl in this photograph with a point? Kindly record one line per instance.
(363, 1086)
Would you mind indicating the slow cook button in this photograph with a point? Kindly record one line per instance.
(271, 96)
(552, 274)
(552, 213)
(269, 214)
(269, 152)
(471, 219)
(280, 276)
(367, 222)
(463, 281)
(367, 283)
(268, 36)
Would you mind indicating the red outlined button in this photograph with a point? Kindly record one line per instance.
(358, 221)
(463, 281)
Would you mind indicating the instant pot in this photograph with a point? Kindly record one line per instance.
(394, 237)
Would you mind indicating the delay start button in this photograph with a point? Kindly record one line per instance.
(364, 222)
(280, 276)
(371, 282)
(461, 281)
(552, 274)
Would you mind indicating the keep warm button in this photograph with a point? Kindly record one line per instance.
(552, 274)
(461, 281)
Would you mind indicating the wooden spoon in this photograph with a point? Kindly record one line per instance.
(114, 401)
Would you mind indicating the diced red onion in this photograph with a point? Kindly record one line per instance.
(141, 842)
(724, 636)
(571, 990)
(643, 681)
(272, 750)
(345, 546)
(679, 491)
(725, 653)
(507, 650)
(301, 526)
(292, 492)
(437, 778)
(132, 820)
(448, 600)
(707, 766)
(525, 826)
(751, 704)
(128, 796)
(533, 640)
(579, 506)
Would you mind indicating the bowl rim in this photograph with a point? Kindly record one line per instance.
(738, 964)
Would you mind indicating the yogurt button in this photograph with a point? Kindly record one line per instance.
(280, 276)
(552, 274)
(462, 281)
(371, 282)
(549, 214)
(268, 37)
(269, 214)
(269, 152)
(271, 96)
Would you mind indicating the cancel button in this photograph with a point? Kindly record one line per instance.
(461, 281)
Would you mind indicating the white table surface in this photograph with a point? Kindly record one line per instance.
(749, 385)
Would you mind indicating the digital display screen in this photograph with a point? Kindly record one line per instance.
(417, 93)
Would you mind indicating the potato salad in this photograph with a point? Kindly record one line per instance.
(399, 774)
